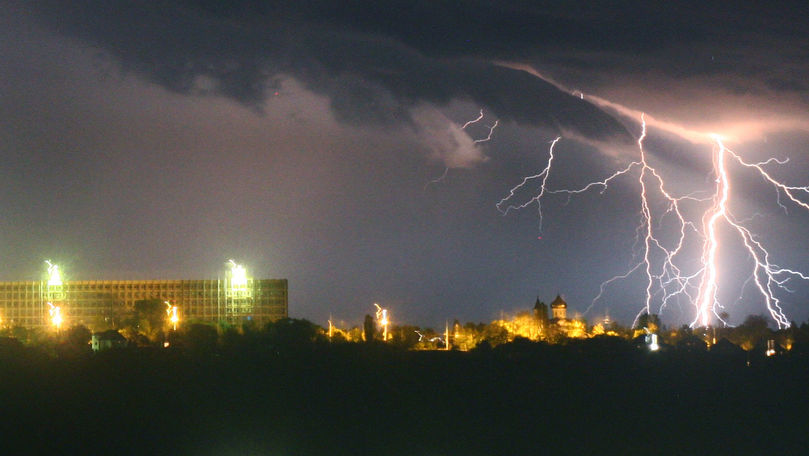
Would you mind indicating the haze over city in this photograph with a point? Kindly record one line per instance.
(324, 143)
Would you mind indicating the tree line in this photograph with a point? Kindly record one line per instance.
(147, 325)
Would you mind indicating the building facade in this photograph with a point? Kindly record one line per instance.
(105, 304)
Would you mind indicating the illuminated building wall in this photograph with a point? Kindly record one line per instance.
(100, 304)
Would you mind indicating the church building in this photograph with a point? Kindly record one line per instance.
(558, 309)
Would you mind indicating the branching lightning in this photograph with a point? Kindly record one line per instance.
(543, 175)
(55, 313)
(171, 313)
(382, 320)
(490, 127)
(489, 136)
(766, 276)
(474, 141)
(54, 275)
(662, 257)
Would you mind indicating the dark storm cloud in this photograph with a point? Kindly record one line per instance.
(492, 30)
(374, 63)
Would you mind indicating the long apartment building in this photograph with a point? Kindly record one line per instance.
(105, 304)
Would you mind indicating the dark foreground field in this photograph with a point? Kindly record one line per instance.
(362, 400)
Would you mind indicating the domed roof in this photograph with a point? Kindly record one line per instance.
(558, 302)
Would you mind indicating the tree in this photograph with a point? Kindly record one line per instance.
(200, 338)
(232, 338)
(473, 333)
(293, 333)
(404, 337)
(75, 341)
(20, 333)
(111, 313)
(801, 338)
(648, 321)
(149, 318)
(368, 328)
(722, 331)
(495, 334)
(78, 336)
(355, 334)
(751, 332)
(525, 324)
(679, 334)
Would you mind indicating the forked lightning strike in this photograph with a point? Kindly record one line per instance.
(474, 141)
(55, 313)
(542, 175)
(766, 275)
(662, 257)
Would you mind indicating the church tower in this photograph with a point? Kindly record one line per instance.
(541, 311)
(559, 308)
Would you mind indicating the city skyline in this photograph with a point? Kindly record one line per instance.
(332, 146)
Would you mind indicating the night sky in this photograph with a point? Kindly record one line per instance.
(156, 140)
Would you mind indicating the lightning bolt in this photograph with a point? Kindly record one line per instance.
(662, 258)
(473, 121)
(382, 320)
(489, 136)
(438, 179)
(171, 312)
(543, 175)
(766, 276)
(55, 313)
(474, 141)
(432, 339)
